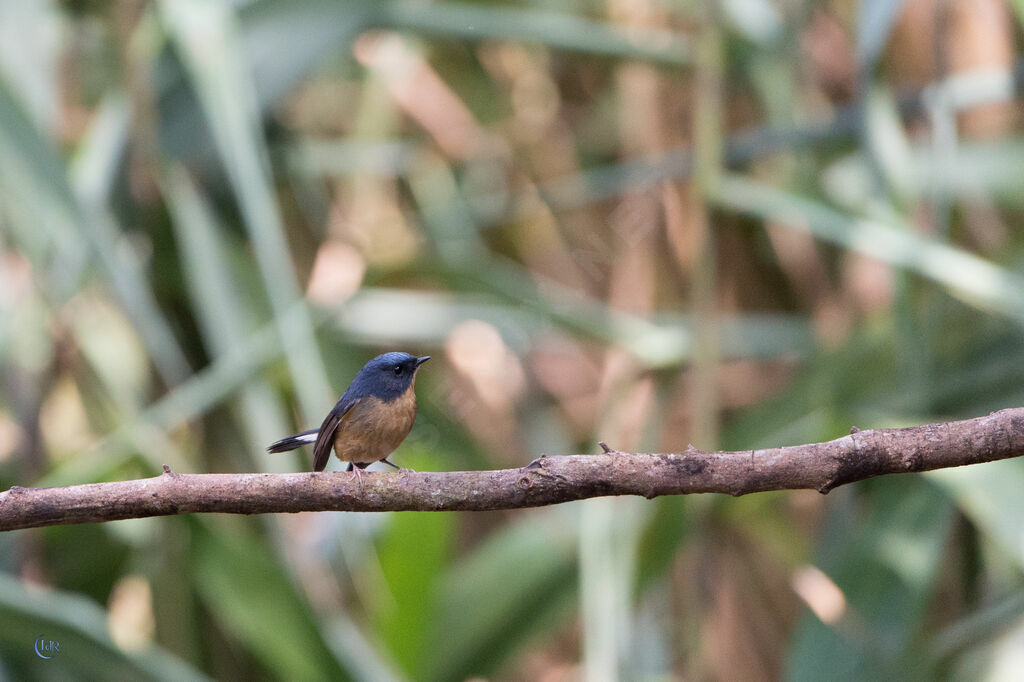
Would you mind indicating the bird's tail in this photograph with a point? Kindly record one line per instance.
(292, 442)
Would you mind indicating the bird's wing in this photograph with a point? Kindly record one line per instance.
(328, 430)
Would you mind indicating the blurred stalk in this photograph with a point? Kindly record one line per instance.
(942, 150)
(190, 400)
(206, 36)
(31, 36)
(223, 317)
(60, 218)
(603, 182)
(980, 627)
(965, 91)
(360, 657)
(610, 529)
(939, 103)
(517, 23)
(93, 173)
(604, 619)
(703, 397)
(706, 180)
(975, 280)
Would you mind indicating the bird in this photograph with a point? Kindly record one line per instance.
(372, 417)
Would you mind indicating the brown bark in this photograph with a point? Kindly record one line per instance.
(548, 480)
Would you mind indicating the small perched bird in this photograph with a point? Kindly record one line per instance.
(371, 418)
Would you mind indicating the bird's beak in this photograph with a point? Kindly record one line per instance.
(420, 361)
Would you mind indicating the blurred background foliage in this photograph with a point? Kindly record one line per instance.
(737, 224)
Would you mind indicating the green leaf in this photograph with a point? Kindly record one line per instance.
(55, 227)
(412, 553)
(79, 625)
(989, 494)
(882, 548)
(515, 585)
(564, 31)
(207, 36)
(224, 315)
(247, 591)
(877, 18)
(973, 279)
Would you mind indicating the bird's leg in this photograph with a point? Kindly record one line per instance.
(401, 469)
(356, 468)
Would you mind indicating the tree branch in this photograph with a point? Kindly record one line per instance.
(548, 480)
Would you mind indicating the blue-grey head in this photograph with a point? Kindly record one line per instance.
(387, 376)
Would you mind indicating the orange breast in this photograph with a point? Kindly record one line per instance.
(372, 429)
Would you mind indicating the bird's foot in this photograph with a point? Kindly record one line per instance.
(401, 470)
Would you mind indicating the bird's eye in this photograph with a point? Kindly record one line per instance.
(398, 370)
